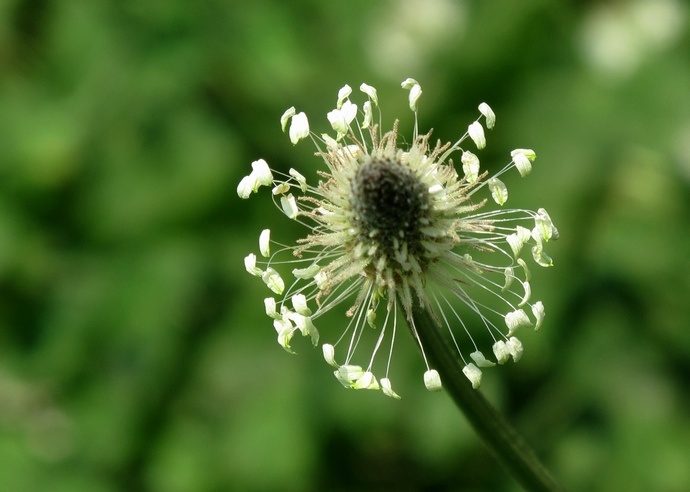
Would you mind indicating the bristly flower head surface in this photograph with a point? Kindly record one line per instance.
(392, 228)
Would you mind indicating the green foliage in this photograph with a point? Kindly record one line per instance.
(134, 351)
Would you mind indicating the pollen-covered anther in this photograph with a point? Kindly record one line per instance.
(515, 320)
(470, 166)
(523, 159)
(501, 352)
(415, 92)
(499, 192)
(366, 381)
(514, 348)
(273, 280)
(545, 226)
(432, 380)
(370, 92)
(539, 313)
(299, 128)
(329, 354)
(289, 113)
(518, 239)
(353, 376)
(301, 180)
(528, 293)
(387, 390)
(480, 360)
(250, 265)
(299, 304)
(306, 273)
(271, 309)
(341, 118)
(474, 374)
(489, 115)
(265, 243)
(476, 132)
(343, 94)
(289, 205)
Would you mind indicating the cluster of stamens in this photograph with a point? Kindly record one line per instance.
(391, 229)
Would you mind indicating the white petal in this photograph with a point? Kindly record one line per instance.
(262, 173)
(264, 243)
(474, 374)
(515, 348)
(250, 265)
(273, 280)
(470, 166)
(329, 354)
(538, 312)
(476, 132)
(343, 94)
(289, 205)
(515, 320)
(499, 192)
(501, 351)
(289, 113)
(387, 390)
(299, 128)
(480, 360)
(489, 115)
(247, 185)
(371, 93)
(432, 380)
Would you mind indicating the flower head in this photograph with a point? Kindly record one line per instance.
(391, 228)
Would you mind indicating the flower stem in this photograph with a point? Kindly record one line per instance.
(507, 446)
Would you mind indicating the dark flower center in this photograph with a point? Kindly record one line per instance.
(389, 202)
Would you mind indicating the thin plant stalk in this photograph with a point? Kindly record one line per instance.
(507, 446)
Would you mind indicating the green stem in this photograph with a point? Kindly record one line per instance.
(498, 435)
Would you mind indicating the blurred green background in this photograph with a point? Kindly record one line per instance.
(134, 351)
